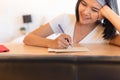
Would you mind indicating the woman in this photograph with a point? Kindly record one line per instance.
(95, 22)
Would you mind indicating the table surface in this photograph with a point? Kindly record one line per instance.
(95, 50)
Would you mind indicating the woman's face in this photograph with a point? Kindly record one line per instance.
(89, 11)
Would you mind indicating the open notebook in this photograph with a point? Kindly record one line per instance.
(69, 49)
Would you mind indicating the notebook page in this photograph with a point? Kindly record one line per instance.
(70, 49)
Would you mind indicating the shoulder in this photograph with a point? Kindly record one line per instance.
(66, 16)
(100, 27)
(69, 18)
(63, 19)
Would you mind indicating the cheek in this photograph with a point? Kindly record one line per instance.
(95, 16)
(80, 9)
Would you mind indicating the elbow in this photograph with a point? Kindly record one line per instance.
(26, 40)
(116, 41)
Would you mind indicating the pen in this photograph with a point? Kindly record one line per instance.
(60, 27)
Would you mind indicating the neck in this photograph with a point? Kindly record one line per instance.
(92, 25)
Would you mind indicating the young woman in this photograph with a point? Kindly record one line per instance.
(95, 22)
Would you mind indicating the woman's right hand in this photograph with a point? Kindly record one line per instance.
(63, 41)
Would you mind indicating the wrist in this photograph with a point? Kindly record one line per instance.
(49, 43)
(105, 10)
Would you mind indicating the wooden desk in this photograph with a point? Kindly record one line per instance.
(23, 62)
(95, 50)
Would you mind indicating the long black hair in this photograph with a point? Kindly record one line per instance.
(109, 29)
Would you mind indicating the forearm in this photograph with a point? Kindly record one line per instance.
(111, 16)
(35, 40)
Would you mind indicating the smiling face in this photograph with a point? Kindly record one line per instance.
(88, 11)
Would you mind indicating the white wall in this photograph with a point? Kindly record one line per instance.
(11, 12)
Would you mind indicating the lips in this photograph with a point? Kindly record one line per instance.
(85, 18)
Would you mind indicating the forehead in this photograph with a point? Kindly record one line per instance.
(93, 3)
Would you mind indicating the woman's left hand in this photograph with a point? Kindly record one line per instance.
(103, 11)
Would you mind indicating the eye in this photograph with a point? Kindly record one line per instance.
(95, 10)
(83, 3)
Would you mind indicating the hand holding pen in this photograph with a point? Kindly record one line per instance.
(66, 37)
(62, 41)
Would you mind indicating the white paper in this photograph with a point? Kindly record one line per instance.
(70, 49)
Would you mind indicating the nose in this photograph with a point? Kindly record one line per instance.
(87, 11)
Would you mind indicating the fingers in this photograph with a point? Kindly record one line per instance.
(100, 16)
(63, 41)
(102, 12)
(68, 39)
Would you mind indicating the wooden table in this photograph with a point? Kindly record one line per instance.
(23, 62)
(95, 50)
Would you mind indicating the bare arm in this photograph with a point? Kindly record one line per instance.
(114, 19)
(111, 16)
(38, 38)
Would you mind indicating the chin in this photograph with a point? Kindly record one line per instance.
(84, 22)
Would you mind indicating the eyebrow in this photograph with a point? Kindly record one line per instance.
(83, 1)
(93, 6)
